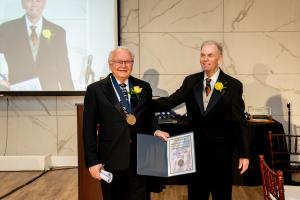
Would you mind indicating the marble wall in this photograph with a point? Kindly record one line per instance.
(261, 48)
(38, 125)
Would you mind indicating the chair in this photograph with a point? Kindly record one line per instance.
(285, 155)
(272, 182)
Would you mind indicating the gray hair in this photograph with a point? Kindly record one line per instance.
(120, 48)
(217, 44)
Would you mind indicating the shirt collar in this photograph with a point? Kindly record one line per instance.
(38, 25)
(126, 82)
(214, 77)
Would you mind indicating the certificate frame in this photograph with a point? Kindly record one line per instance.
(181, 154)
(156, 157)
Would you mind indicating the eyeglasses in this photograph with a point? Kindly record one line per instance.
(121, 62)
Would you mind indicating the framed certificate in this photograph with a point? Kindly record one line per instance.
(181, 154)
(156, 157)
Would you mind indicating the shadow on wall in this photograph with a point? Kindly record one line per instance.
(272, 96)
(261, 73)
(152, 77)
(278, 109)
(276, 102)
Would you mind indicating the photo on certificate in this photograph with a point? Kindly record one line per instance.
(156, 157)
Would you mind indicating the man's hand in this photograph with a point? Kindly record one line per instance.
(163, 135)
(95, 171)
(243, 164)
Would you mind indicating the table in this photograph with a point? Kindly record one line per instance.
(258, 132)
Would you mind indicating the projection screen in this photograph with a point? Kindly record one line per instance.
(66, 51)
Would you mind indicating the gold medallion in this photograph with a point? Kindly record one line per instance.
(130, 118)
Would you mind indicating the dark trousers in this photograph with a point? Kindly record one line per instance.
(126, 185)
(214, 174)
(199, 189)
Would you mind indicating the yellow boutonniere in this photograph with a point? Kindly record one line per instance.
(135, 90)
(47, 34)
(219, 86)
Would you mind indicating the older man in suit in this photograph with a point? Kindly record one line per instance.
(120, 104)
(35, 48)
(215, 110)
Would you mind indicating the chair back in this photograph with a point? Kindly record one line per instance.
(285, 153)
(272, 182)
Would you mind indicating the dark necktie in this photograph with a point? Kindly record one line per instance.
(207, 87)
(124, 91)
(33, 36)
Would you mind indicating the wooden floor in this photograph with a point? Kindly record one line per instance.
(61, 184)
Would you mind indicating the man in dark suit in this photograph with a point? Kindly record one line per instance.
(120, 116)
(35, 48)
(215, 110)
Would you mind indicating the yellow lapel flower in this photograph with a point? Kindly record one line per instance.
(219, 86)
(135, 90)
(47, 34)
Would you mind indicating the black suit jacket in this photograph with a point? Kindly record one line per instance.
(52, 63)
(223, 125)
(116, 138)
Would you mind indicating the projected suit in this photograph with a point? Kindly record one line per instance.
(51, 65)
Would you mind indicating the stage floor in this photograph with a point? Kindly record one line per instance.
(62, 184)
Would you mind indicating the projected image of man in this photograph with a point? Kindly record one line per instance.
(35, 50)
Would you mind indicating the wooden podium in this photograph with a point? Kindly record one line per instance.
(88, 188)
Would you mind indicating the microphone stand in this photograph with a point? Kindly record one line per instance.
(289, 125)
(289, 118)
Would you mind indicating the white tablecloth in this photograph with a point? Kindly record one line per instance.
(291, 192)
